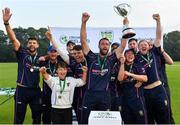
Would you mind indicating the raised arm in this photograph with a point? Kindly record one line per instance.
(45, 75)
(157, 41)
(63, 55)
(166, 56)
(83, 34)
(122, 46)
(121, 70)
(6, 17)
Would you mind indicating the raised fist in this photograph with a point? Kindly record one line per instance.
(156, 17)
(85, 17)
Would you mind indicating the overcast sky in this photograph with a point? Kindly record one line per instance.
(67, 13)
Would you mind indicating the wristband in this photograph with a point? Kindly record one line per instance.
(6, 24)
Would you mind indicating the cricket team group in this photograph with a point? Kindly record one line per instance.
(131, 81)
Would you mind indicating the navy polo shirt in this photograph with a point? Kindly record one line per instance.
(25, 61)
(128, 85)
(96, 80)
(77, 71)
(152, 69)
(76, 67)
(115, 86)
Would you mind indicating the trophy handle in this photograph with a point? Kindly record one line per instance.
(116, 10)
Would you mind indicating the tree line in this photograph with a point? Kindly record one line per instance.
(171, 43)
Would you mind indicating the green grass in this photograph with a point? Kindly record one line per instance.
(8, 74)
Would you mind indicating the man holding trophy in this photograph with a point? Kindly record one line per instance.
(123, 10)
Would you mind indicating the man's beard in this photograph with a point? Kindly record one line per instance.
(32, 51)
(103, 53)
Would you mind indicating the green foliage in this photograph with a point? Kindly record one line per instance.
(22, 35)
(172, 44)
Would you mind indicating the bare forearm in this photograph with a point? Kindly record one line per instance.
(158, 34)
(121, 72)
(167, 58)
(140, 78)
(83, 37)
(121, 48)
(12, 37)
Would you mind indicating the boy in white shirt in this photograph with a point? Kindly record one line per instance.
(62, 92)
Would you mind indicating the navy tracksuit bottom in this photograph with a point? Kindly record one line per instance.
(133, 107)
(46, 104)
(157, 105)
(95, 100)
(23, 97)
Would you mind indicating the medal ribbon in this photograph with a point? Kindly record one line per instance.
(102, 64)
(32, 60)
(54, 69)
(148, 60)
(62, 86)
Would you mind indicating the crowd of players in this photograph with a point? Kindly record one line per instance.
(133, 82)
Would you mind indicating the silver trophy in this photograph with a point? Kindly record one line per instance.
(123, 10)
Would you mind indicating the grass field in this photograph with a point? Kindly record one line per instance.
(8, 73)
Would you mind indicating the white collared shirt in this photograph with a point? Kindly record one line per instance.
(64, 99)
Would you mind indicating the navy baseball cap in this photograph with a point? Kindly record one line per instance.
(51, 48)
(70, 42)
(115, 44)
(132, 50)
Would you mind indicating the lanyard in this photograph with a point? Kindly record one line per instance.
(62, 86)
(54, 69)
(130, 69)
(32, 60)
(102, 64)
(148, 60)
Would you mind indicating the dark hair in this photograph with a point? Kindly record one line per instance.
(77, 47)
(70, 42)
(132, 39)
(33, 38)
(132, 50)
(115, 44)
(62, 65)
(103, 39)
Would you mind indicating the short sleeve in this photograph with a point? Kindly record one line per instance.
(21, 53)
(90, 57)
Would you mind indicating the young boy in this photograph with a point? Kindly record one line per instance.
(62, 92)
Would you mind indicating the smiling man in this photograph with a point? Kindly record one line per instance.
(100, 65)
(27, 90)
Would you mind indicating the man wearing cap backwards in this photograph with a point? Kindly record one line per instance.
(51, 66)
(69, 46)
(97, 96)
(114, 46)
(27, 90)
(130, 74)
(157, 103)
